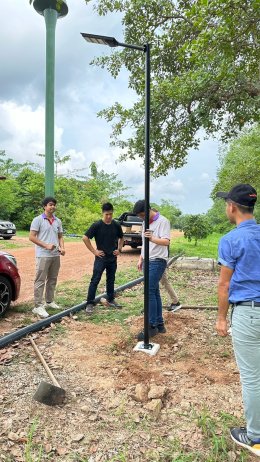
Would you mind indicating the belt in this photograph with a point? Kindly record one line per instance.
(252, 303)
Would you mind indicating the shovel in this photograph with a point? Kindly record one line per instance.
(47, 393)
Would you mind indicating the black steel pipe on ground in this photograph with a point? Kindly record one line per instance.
(36, 326)
(190, 307)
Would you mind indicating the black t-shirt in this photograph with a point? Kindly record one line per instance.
(106, 236)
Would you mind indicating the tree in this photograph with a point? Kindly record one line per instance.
(168, 209)
(239, 163)
(205, 73)
(31, 194)
(9, 193)
(58, 160)
(102, 187)
(196, 227)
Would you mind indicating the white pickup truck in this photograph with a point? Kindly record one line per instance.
(132, 229)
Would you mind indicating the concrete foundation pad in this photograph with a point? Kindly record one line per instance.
(152, 350)
(193, 263)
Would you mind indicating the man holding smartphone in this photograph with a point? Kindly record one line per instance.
(159, 241)
(46, 234)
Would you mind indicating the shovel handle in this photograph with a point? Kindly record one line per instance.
(45, 365)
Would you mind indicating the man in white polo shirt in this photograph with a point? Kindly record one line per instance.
(46, 234)
(159, 237)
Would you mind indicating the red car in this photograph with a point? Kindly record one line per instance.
(10, 281)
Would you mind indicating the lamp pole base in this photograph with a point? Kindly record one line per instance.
(151, 350)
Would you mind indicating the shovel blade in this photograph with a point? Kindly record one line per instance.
(49, 394)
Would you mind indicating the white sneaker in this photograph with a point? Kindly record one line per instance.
(52, 305)
(40, 310)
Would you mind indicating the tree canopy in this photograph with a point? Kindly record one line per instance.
(204, 74)
(239, 163)
(79, 200)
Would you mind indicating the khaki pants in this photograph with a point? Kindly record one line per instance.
(172, 296)
(47, 269)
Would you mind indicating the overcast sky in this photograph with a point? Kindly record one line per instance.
(81, 91)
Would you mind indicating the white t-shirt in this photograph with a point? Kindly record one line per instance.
(161, 228)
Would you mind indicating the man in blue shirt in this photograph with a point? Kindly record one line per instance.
(239, 285)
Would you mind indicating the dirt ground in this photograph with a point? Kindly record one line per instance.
(121, 406)
(108, 414)
(77, 262)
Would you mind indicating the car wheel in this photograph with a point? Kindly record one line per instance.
(5, 295)
(6, 238)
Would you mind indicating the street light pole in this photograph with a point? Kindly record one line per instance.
(51, 10)
(112, 42)
(50, 22)
(147, 195)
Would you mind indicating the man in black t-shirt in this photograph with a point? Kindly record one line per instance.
(108, 235)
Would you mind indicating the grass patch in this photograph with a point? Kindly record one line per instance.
(216, 435)
(205, 248)
(22, 308)
(12, 244)
(33, 452)
(194, 288)
(57, 330)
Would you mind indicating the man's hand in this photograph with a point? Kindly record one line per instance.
(50, 246)
(149, 234)
(116, 252)
(99, 253)
(140, 264)
(221, 327)
(223, 302)
(61, 250)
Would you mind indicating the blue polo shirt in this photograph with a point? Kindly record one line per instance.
(240, 251)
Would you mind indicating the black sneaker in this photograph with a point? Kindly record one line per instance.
(112, 304)
(152, 331)
(90, 308)
(174, 306)
(161, 329)
(239, 436)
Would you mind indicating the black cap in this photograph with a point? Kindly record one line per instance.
(242, 194)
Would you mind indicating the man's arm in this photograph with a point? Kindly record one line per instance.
(223, 303)
(61, 244)
(157, 240)
(140, 263)
(33, 238)
(87, 242)
(119, 246)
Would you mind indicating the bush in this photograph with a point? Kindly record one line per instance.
(196, 227)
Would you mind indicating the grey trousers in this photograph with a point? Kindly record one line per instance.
(47, 269)
(172, 296)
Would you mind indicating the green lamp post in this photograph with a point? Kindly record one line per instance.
(51, 10)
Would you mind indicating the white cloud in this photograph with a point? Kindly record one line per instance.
(205, 176)
(23, 130)
(81, 91)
